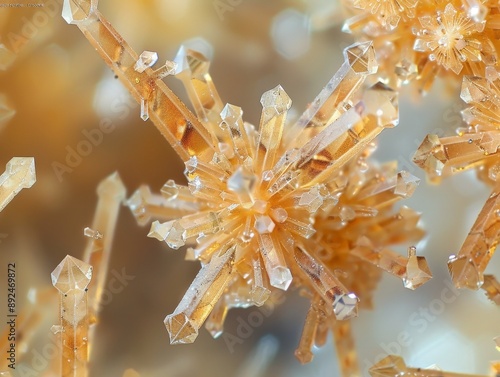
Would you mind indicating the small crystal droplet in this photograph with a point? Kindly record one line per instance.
(91, 233)
(146, 60)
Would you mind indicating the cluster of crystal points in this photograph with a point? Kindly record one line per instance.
(296, 201)
(474, 147)
(264, 209)
(417, 40)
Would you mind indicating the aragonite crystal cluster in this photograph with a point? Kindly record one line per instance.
(474, 147)
(268, 206)
(418, 40)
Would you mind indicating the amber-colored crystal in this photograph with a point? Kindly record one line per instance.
(492, 288)
(474, 147)
(260, 202)
(111, 192)
(420, 40)
(71, 278)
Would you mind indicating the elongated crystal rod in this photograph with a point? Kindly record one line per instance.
(71, 278)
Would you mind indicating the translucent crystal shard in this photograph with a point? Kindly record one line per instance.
(344, 346)
(19, 174)
(177, 124)
(467, 267)
(381, 101)
(75, 11)
(278, 272)
(332, 291)
(146, 60)
(417, 270)
(450, 155)
(275, 104)
(303, 353)
(413, 271)
(192, 70)
(71, 278)
(183, 324)
(394, 366)
(111, 192)
(330, 104)
(492, 288)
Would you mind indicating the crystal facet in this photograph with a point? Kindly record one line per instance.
(19, 174)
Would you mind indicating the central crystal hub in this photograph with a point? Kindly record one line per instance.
(264, 224)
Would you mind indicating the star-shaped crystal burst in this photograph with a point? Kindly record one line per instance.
(419, 40)
(475, 147)
(263, 204)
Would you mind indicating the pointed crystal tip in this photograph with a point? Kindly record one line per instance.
(71, 274)
(25, 167)
(406, 184)
(431, 157)
(464, 273)
(345, 306)
(191, 61)
(160, 230)
(417, 271)
(277, 99)
(361, 57)
(382, 101)
(75, 11)
(112, 185)
(146, 60)
(304, 356)
(389, 366)
(280, 277)
(180, 328)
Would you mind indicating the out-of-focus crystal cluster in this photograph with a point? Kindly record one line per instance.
(395, 366)
(418, 40)
(474, 147)
(264, 207)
